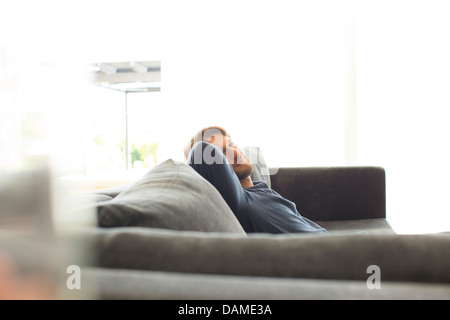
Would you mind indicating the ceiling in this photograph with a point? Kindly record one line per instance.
(130, 76)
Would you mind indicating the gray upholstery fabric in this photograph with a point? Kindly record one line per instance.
(414, 258)
(334, 193)
(111, 192)
(136, 284)
(95, 197)
(372, 226)
(260, 168)
(170, 196)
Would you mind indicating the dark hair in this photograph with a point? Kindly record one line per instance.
(203, 135)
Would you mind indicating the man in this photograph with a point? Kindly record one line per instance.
(213, 154)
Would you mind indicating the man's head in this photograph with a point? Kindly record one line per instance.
(220, 138)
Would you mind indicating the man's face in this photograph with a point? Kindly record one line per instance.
(240, 163)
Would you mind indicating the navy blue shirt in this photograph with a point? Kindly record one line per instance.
(258, 208)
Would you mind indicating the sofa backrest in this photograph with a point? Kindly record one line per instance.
(334, 193)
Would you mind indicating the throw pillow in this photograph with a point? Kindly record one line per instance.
(171, 195)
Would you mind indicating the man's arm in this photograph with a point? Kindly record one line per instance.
(210, 162)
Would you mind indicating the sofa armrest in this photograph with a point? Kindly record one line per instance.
(334, 193)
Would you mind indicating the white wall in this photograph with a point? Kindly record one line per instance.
(273, 74)
(403, 102)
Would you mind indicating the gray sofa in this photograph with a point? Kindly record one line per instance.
(171, 236)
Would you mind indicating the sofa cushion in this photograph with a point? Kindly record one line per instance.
(95, 197)
(170, 196)
(409, 258)
(334, 193)
(111, 192)
(372, 226)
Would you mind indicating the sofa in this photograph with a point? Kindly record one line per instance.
(170, 236)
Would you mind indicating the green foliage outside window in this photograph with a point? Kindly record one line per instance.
(145, 153)
(142, 155)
